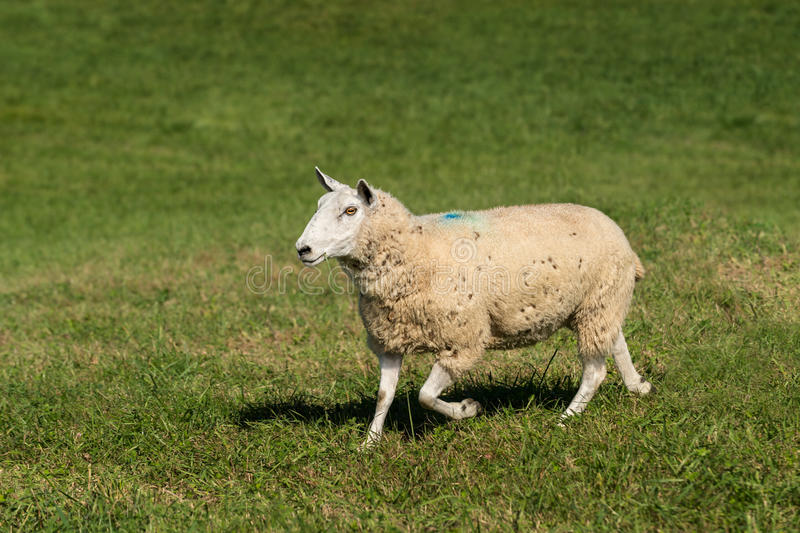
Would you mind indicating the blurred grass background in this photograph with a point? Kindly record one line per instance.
(151, 154)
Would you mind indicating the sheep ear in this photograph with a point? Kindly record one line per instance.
(328, 182)
(365, 192)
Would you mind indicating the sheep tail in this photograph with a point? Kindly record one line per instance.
(639, 269)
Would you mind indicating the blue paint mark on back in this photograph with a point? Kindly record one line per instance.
(460, 217)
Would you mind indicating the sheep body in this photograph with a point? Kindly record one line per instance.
(456, 283)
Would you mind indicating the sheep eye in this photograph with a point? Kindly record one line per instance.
(350, 211)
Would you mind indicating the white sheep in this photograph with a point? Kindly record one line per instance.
(458, 283)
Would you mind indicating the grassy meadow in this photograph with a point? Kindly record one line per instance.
(160, 368)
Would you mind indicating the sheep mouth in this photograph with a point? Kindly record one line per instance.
(313, 262)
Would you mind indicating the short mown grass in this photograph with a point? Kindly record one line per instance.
(158, 372)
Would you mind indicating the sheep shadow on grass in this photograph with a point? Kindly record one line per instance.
(406, 415)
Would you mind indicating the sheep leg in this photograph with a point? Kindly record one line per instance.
(390, 372)
(438, 380)
(594, 372)
(622, 357)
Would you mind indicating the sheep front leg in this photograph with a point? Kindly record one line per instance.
(438, 380)
(390, 372)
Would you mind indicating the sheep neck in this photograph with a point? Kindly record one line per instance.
(383, 262)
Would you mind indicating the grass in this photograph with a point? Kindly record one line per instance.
(152, 154)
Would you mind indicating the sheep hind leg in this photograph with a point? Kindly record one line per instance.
(594, 372)
(633, 380)
(438, 380)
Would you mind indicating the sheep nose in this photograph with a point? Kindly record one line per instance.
(303, 251)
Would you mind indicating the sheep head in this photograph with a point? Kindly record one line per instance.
(334, 228)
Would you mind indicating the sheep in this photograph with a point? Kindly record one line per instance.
(459, 283)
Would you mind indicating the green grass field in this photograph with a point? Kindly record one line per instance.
(153, 154)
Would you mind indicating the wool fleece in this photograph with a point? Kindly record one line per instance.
(458, 283)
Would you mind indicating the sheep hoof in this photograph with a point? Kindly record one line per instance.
(467, 409)
(644, 388)
(564, 418)
(369, 444)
